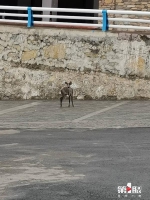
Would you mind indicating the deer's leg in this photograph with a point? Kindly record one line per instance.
(61, 99)
(72, 101)
(69, 101)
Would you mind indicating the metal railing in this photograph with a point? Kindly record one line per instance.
(103, 20)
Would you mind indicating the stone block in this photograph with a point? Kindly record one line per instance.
(108, 1)
(55, 51)
(28, 55)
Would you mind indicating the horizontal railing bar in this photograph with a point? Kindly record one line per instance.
(76, 10)
(67, 17)
(14, 21)
(13, 7)
(130, 27)
(13, 15)
(68, 24)
(128, 12)
(66, 10)
(129, 20)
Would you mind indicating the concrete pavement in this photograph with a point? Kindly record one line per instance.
(80, 153)
(85, 114)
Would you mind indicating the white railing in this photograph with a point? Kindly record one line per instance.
(102, 17)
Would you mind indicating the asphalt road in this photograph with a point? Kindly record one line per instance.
(80, 153)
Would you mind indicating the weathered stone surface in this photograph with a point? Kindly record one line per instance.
(80, 97)
(22, 83)
(1, 49)
(100, 65)
(17, 47)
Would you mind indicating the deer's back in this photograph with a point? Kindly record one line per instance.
(67, 91)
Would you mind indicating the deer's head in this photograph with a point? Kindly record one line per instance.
(68, 84)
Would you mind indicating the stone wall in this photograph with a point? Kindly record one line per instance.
(35, 63)
(140, 5)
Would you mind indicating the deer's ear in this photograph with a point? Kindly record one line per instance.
(66, 83)
(70, 83)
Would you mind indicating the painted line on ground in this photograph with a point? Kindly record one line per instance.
(100, 111)
(7, 145)
(19, 108)
(127, 147)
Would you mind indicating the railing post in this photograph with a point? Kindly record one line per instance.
(30, 17)
(105, 20)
